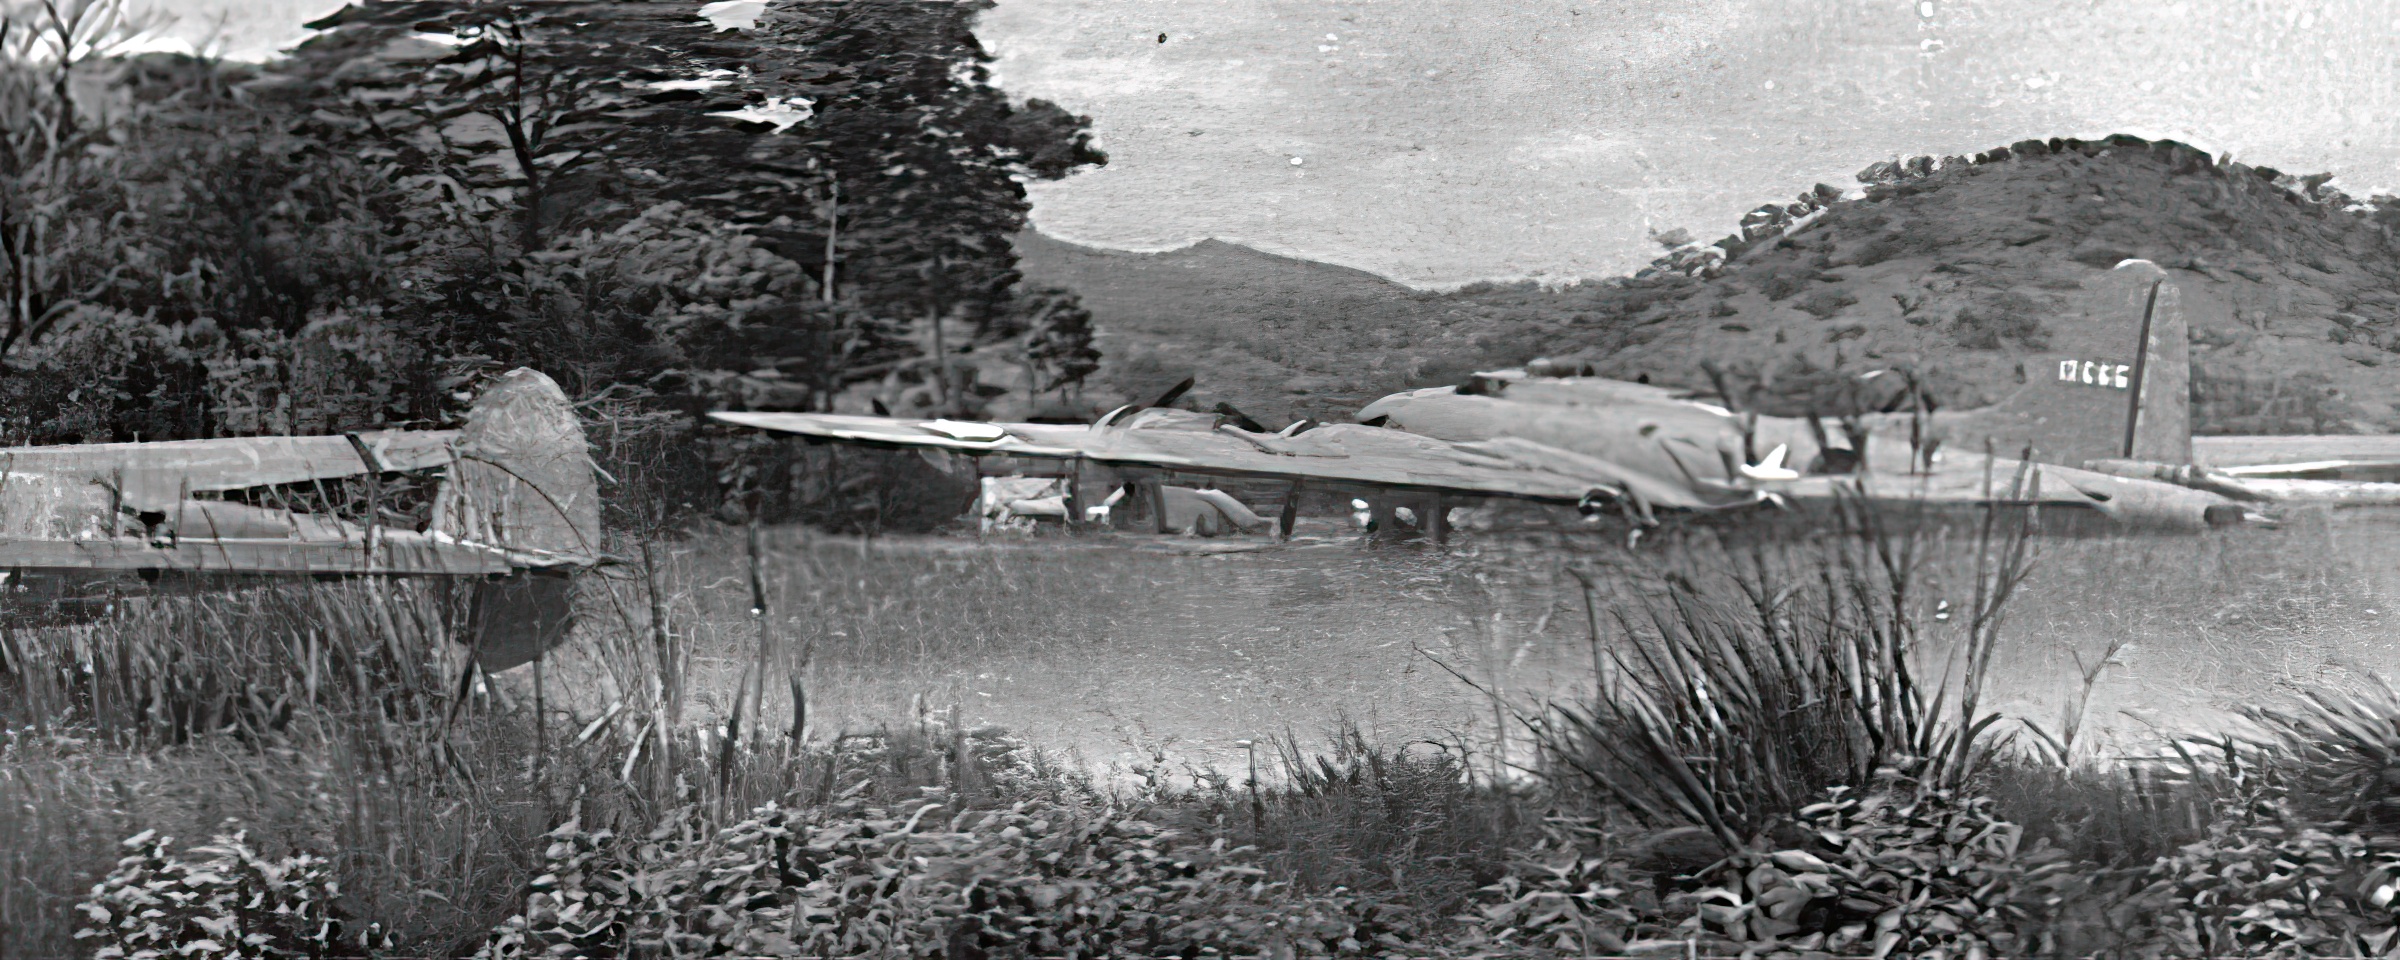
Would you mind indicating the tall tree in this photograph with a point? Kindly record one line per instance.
(57, 244)
(887, 103)
(1058, 339)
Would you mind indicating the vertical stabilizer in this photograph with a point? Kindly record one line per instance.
(523, 479)
(522, 482)
(2112, 381)
(2158, 426)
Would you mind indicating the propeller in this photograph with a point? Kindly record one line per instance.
(1772, 467)
(1174, 393)
(1749, 418)
(1236, 417)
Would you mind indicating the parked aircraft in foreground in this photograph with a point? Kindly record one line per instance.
(516, 508)
(2106, 420)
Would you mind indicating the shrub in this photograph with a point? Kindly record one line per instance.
(2010, 319)
(1565, 893)
(1823, 304)
(1879, 250)
(1782, 284)
(2266, 883)
(2304, 855)
(1039, 878)
(1902, 867)
(234, 903)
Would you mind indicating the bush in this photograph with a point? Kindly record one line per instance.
(2010, 319)
(2303, 856)
(1823, 304)
(1564, 893)
(232, 904)
(1903, 866)
(1039, 878)
(2268, 884)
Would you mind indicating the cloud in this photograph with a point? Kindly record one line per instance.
(734, 14)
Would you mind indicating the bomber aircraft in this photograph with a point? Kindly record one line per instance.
(514, 511)
(2100, 428)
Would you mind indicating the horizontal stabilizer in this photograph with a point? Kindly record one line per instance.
(394, 555)
(155, 475)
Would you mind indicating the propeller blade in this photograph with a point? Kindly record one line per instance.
(1236, 417)
(1174, 393)
(1772, 467)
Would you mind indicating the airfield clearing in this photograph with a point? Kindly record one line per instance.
(1151, 666)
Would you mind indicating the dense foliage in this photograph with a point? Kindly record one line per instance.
(1034, 879)
(221, 900)
(662, 215)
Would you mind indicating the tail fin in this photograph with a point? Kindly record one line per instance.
(523, 482)
(2115, 383)
(2158, 425)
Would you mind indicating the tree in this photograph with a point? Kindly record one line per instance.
(57, 240)
(886, 104)
(526, 100)
(1058, 339)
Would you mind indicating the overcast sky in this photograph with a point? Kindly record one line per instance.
(1442, 141)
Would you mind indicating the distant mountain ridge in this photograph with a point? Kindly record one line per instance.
(1278, 336)
(1957, 267)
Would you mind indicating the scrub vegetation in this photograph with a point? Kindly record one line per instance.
(1815, 744)
(1778, 745)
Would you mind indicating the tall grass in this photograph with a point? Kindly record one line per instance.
(1416, 826)
(1748, 674)
(340, 719)
(1734, 678)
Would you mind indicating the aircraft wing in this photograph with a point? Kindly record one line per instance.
(1342, 454)
(1966, 479)
(399, 554)
(1038, 440)
(151, 475)
(1393, 459)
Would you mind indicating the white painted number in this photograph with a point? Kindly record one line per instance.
(2097, 373)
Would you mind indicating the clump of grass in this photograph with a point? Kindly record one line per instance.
(2110, 815)
(2335, 756)
(340, 719)
(1752, 676)
(1415, 828)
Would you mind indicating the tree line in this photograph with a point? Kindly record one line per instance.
(813, 212)
(618, 193)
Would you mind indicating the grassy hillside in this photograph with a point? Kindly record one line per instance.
(1959, 268)
(1276, 336)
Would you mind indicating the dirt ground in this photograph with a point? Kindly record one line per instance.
(1122, 653)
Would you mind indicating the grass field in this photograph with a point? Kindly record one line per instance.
(323, 717)
(1121, 653)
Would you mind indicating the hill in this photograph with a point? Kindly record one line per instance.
(1278, 336)
(1961, 268)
